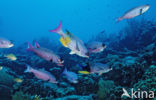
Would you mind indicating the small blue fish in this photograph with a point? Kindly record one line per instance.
(71, 76)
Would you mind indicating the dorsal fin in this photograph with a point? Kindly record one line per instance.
(77, 46)
(37, 45)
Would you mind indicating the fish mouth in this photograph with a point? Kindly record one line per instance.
(62, 61)
(11, 45)
(87, 57)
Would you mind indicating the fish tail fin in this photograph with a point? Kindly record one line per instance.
(37, 45)
(30, 47)
(65, 70)
(119, 19)
(28, 69)
(58, 29)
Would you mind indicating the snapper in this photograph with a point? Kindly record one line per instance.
(92, 68)
(41, 74)
(72, 42)
(134, 12)
(96, 47)
(46, 54)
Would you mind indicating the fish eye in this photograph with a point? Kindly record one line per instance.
(103, 45)
(51, 60)
(10, 43)
(61, 59)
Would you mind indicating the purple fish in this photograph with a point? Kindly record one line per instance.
(4, 43)
(46, 54)
(71, 76)
(42, 74)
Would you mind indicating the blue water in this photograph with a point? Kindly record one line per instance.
(24, 20)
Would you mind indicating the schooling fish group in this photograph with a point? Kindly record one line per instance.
(76, 46)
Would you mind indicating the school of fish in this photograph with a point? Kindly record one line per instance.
(76, 46)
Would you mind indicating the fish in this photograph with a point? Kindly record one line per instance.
(4, 43)
(72, 42)
(11, 57)
(134, 12)
(45, 54)
(71, 76)
(98, 68)
(18, 80)
(96, 47)
(41, 74)
(1, 68)
(84, 72)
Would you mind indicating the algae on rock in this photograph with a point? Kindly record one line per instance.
(104, 89)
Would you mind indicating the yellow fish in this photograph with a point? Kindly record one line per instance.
(65, 41)
(1, 68)
(83, 72)
(18, 80)
(11, 57)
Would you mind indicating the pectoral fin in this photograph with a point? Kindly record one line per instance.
(48, 80)
(72, 53)
(141, 12)
(77, 46)
(100, 73)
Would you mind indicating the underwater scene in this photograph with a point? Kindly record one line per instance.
(78, 50)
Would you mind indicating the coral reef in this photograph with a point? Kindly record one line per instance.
(20, 96)
(148, 81)
(76, 97)
(104, 89)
